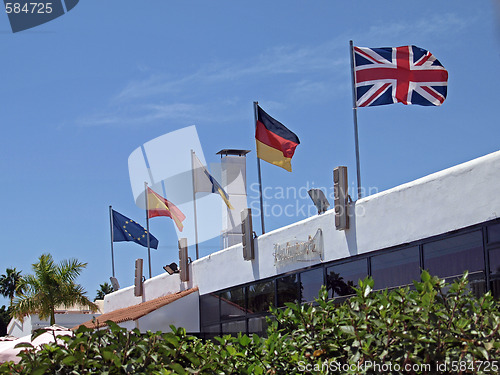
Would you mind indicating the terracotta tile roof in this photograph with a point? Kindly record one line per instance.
(136, 311)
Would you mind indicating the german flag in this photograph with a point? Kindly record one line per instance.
(275, 143)
(159, 206)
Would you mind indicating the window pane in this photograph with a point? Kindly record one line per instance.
(341, 278)
(397, 268)
(288, 289)
(260, 297)
(257, 325)
(310, 283)
(234, 327)
(495, 272)
(494, 233)
(209, 308)
(232, 303)
(495, 261)
(215, 329)
(452, 256)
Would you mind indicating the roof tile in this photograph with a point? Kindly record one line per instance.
(136, 311)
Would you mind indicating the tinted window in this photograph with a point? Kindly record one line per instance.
(396, 268)
(260, 296)
(454, 255)
(495, 272)
(310, 283)
(495, 261)
(232, 303)
(288, 289)
(257, 325)
(494, 233)
(234, 327)
(341, 278)
(215, 329)
(209, 308)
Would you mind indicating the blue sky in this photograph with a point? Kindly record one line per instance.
(80, 93)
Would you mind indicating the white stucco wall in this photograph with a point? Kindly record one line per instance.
(32, 322)
(181, 313)
(155, 287)
(445, 201)
(441, 202)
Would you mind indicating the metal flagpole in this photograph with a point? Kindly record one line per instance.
(194, 205)
(147, 224)
(355, 116)
(256, 115)
(112, 236)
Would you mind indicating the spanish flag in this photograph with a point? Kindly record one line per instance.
(275, 143)
(159, 206)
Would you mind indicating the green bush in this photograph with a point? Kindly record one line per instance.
(435, 328)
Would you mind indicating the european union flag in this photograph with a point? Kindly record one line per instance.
(125, 229)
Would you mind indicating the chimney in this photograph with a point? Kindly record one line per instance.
(234, 182)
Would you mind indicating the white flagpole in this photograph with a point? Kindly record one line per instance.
(256, 115)
(355, 117)
(147, 224)
(194, 205)
(112, 237)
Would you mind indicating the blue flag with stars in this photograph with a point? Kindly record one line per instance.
(125, 229)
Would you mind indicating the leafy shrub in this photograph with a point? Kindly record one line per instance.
(400, 331)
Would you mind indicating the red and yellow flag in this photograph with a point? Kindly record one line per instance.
(159, 206)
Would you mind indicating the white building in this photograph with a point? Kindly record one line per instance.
(65, 317)
(447, 222)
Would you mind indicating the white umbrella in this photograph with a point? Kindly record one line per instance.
(8, 352)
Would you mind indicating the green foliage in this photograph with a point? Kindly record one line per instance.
(104, 289)
(50, 286)
(11, 284)
(4, 319)
(431, 325)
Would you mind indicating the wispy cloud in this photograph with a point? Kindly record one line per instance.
(144, 114)
(297, 73)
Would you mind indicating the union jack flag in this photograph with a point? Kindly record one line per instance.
(408, 75)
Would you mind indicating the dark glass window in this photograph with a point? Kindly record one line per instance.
(209, 308)
(494, 233)
(495, 272)
(310, 283)
(341, 278)
(234, 327)
(397, 268)
(260, 296)
(495, 261)
(452, 256)
(215, 329)
(288, 289)
(232, 303)
(257, 325)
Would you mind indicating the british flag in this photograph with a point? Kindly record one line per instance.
(408, 75)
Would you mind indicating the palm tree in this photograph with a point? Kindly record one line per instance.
(52, 285)
(104, 289)
(10, 284)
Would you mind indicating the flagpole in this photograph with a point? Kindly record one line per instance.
(112, 236)
(355, 117)
(194, 205)
(256, 115)
(147, 224)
